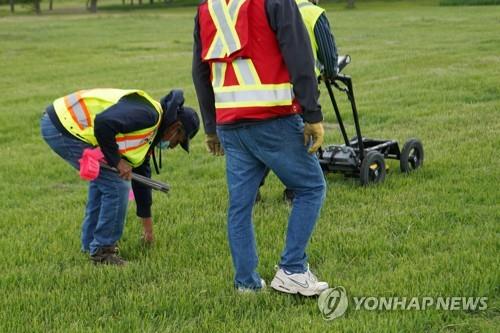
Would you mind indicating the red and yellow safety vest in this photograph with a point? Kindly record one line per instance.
(77, 112)
(249, 76)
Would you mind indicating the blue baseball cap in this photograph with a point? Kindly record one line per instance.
(190, 122)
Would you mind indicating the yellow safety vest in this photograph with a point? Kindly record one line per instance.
(77, 112)
(310, 14)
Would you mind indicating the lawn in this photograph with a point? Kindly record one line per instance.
(419, 70)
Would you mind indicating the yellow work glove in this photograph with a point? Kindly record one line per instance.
(317, 133)
(213, 145)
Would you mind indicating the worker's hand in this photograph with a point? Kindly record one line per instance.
(316, 132)
(124, 170)
(147, 232)
(213, 145)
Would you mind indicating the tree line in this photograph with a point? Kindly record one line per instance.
(91, 5)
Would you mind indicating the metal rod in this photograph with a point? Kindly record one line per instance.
(154, 184)
(337, 112)
(350, 94)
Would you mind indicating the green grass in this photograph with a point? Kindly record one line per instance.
(419, 70)
(468, 2)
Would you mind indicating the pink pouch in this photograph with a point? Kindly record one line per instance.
(89, 163)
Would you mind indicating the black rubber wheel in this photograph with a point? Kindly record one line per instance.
(412, 156)
(372, 168)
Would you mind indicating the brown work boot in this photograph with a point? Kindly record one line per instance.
(107, 255)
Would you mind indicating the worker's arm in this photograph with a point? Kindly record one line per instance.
(130, 114)
(144, 201)
(327, 50)
(285, 20)
(202, 84)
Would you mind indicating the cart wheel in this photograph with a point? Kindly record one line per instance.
(412, 156)
(372, 168)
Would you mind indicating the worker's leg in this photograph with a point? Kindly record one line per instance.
(282, 149)
(244, 173)
(114, 201)
(92, 211)
(71, 150)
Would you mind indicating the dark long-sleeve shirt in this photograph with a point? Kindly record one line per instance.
(131, 113)
(327, 49)
(285, 20)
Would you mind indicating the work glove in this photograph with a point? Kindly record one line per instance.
(316, 133)
(213, 145)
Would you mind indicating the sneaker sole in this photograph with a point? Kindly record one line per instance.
(276, 284)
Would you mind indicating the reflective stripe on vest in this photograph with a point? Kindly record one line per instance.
(78, 110)
(218, 73)
(128, 143)
(243, 68)
(250, 91)
(252, 96)
(226, 40)
(245, 72)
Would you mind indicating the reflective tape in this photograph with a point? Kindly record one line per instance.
(78, 110)
(234, 8)
(220, 47)
(130, 142)
(218, 73)
(245, 72)
(216, 49)
(225, 25)
(253, 97)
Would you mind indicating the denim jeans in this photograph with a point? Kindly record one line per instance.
(279, 145)
(107, 197)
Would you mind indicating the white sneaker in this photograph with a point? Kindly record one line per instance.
(244, 290)
(303, 283)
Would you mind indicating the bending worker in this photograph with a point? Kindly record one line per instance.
(247, 55)
(324, 51)
(126, 125)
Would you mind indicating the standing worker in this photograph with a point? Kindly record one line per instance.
(247, 56)
(324, 50)
(126, 125)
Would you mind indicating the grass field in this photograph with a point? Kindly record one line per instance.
(419, 70)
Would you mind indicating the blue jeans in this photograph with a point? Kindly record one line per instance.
(107, 197)
(279, 145)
